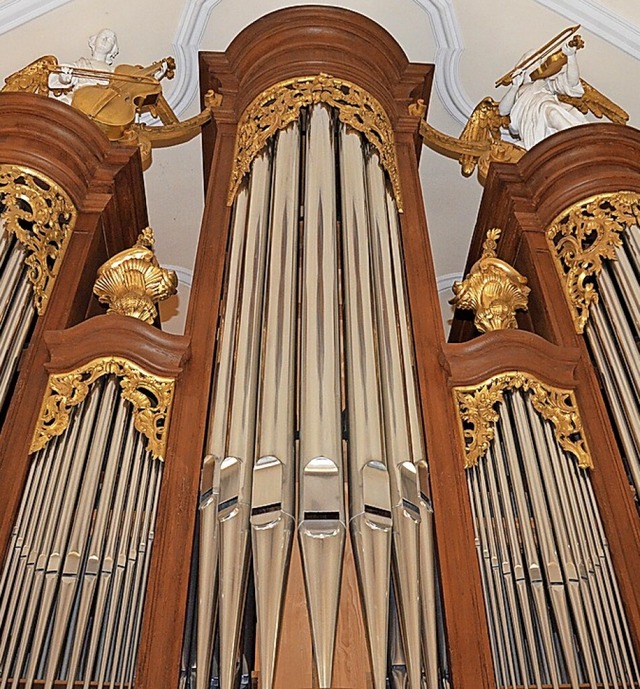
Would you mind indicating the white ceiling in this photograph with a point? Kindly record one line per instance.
(471, 42)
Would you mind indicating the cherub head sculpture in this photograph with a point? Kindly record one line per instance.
(104, 46)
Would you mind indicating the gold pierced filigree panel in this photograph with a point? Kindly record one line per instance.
(280, 105)
(151, 397)
(477, 414)
(582, 237)
(41, 216)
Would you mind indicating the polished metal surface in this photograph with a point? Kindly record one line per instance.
(215, 449)
(62, 602)
(321, 509)
(540, 541)
(236, 469)
(273, 490)
(369, 500)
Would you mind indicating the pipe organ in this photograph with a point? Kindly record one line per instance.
(311, 488)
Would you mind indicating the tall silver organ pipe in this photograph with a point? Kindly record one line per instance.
(74, 580)
(321, 510)
(314, 373)
(551, 595)
(17, 310)
(613, 332)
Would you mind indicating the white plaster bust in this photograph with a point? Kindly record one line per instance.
(104, 50)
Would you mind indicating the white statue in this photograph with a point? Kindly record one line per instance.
(104, 50)
(534, 107)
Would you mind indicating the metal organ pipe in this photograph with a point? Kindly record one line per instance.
(612, 332)
(273, 491)
(369, 503)
(314, 322)
(321, 509)
(62, 591)
(534, 511)
(236, 468)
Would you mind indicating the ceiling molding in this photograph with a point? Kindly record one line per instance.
(601, 21)
(185, 276)
(445, 282)
(442, 18)
(191, 28)
(14, 13)
(449, 48)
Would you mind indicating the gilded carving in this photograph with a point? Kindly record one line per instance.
(581, 238)
(151, 397)
(477, 414)
(493, 289)
(479, 144)
(41, 216)
(132, 282)
(280, 105)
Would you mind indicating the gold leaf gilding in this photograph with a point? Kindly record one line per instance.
(132, 282)
(477, 414)
(493, 289)
(581, 238)
(151, 397)
(279, 105)
(42, 217)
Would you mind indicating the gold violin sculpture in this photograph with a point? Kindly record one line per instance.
(114, 104)
(555, 59)
(129, 90)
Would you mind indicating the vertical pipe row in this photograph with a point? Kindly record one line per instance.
(76, 508)
(288, 353)
(369, 502)
(534, 513)
(402, 431)
(236, 469)
(273, 490)
(215, 447)
(612, 333)
(427, 565)
(17, 311)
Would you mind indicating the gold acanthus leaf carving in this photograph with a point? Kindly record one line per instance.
(151, 397)
(582, 237)
(477, 414)
(493, 289)
(42, 217)
(280, 104)
(132, 282)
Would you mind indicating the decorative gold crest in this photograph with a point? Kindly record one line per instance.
(131, 283)
(493, 289)
(280, 105)
(41, 216)
(477, 414)
(582, 237)
(151, 398)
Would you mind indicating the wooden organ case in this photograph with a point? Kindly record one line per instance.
(311, 488)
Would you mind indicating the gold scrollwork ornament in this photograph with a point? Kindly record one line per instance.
(477, 414)
(42, 216)
(151, 397)
(279, 105)
(581, 238)
(493, 289)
